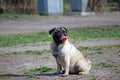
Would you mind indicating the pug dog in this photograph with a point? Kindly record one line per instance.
(68, 58)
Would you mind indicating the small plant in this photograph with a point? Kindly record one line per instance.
(93, 78)
(99, 48)
(117, 71)
(99, 52)
(84, 48)
(15, 52)
(42, 69)
(105, 65)
(38, 52)
(30, 74)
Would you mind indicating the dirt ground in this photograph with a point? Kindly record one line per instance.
(13, 66)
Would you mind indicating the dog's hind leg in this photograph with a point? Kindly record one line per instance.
(84, 68)
(84, 72)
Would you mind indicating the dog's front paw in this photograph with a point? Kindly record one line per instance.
(61, 72)
(64, 75)
(81, 73)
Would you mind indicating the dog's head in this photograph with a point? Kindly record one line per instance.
(59, 34)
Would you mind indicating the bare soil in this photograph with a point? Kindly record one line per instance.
(13, 66)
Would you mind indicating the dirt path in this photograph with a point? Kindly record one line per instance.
(105, 66)
(46, 23)
(46, 46)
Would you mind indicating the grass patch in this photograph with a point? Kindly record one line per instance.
(19, 16)
(81, 34)
(93, 50)
(98, 48)
(99, 52)
(117, 71)
(37, 52)
(16, 53)
(23, 39)
(93, 78)
(8, 16)
(105, 65)
(77, 34)
(42, 69)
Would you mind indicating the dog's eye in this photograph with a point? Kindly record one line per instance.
(58, 31)
(64, 31)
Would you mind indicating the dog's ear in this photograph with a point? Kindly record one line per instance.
(65, 29)
(51, 31)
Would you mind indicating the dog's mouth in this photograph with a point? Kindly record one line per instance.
(63, 38)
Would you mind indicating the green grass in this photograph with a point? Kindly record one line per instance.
(15, 53)
(99, 52)
(8, 16)
(93, 78)
(97, 48)
(19, 16)
(105, 65)
(81, 34)
(23, 39)
(42, 69)
(77, 34)
(37, 52)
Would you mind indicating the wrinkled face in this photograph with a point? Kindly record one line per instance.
(59, 34)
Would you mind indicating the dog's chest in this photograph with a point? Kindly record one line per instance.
(58, 52)
(59, 56)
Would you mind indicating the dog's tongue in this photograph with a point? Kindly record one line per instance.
(63, 38)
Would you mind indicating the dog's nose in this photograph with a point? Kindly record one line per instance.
(62, 34)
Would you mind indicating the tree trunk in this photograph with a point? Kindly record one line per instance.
(3, 5)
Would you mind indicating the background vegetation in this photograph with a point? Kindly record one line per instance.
(30, 6)
(18, 6)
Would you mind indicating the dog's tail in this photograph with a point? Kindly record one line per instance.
(89, 64)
